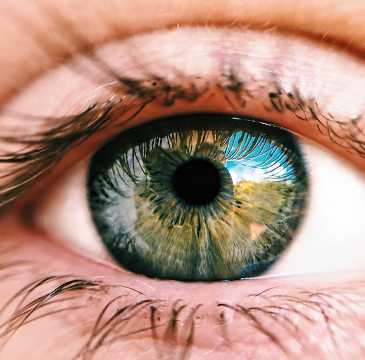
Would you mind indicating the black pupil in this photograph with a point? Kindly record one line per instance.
(197, 182)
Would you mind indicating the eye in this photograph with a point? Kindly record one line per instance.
(237, 82)
(124, 209)
(165, 204)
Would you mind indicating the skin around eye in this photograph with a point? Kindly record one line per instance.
(332, 303)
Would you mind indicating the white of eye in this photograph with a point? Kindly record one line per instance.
(330, 237)
(65, 216)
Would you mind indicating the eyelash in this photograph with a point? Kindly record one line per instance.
(177, 321)
(42, 151)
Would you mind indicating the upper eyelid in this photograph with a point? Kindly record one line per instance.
(144, 89)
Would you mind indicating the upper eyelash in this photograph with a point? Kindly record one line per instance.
(42, 151)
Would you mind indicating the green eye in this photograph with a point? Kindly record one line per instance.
(198, 197)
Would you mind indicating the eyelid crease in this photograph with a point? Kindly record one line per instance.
(38, 152)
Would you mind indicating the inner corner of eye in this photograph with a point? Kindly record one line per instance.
(198, 197)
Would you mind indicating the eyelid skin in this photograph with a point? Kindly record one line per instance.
(105, 314)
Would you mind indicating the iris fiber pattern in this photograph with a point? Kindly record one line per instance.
(199, 197)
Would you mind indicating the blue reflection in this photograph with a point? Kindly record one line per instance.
(257, 159)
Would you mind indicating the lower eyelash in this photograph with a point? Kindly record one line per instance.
(283, 323)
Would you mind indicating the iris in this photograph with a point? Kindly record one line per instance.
(198, 197)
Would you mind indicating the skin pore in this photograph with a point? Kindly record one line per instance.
(60, 303)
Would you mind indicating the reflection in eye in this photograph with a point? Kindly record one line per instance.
(165, 204)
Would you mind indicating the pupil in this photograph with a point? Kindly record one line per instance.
(197, 182)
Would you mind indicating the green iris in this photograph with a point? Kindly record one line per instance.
(198, 197)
